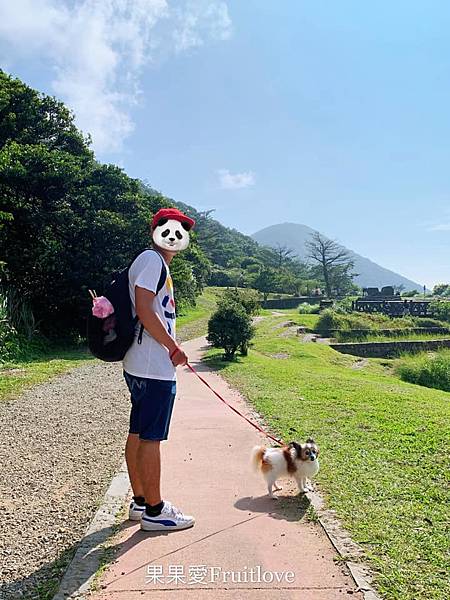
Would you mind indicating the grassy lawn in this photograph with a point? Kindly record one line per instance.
(308, 321)
(194, 322)
(383, 448)
(39, 367)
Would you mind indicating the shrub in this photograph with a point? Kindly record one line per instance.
(222, 277)
(230, 328)
(440, 309)
(328, 320)
(9, 341)
(247, 298)
(309, 309)
(17, 344)
(344, 306)
(429, 370)
(427, 322)
(331, 319)
(17, 312)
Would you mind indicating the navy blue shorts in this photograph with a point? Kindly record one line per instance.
(151, 406)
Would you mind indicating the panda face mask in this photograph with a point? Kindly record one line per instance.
(171, 235)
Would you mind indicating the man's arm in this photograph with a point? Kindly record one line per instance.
(153, 324)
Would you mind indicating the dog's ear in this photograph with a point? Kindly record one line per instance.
(297, 447)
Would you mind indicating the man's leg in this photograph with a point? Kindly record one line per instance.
(131, 452)
(149, 470)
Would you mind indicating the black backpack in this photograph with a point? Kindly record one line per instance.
(112, 345)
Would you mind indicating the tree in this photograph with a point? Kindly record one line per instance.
(341, 280)
(248, 299)
(442, 289)
(331, 258)
(440, 309)
(28, 117)
(230, 328)
(267, 281)
(283, 254)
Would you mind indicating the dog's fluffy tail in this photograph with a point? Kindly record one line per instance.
(257, 456)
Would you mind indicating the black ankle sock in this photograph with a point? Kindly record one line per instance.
(140, 500)
(155, 510)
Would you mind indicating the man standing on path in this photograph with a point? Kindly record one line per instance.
(150, 370)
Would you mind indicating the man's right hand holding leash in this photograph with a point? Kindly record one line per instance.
(178, 356)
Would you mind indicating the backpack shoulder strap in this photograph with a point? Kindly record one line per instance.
(163, 275)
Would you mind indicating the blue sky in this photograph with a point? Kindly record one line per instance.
(332, 114)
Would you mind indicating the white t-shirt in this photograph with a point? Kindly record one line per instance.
(150, 359)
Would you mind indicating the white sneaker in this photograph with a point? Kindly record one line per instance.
(170, 518)
(135, 511)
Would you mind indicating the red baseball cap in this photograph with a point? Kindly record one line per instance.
(172, 213)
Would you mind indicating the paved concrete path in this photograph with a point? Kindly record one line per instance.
(206, 472)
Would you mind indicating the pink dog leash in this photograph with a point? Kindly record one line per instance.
(252, 423)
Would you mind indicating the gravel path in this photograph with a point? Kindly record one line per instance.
(61, 442)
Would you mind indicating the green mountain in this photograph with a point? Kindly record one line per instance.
(295, 236)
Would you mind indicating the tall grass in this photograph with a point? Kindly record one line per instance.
(428, 369)
(309, 309)
(367, 325)
(18, 337)
(330, 319)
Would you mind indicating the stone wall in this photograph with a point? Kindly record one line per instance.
(389, 349)
(348, 334)
(290, 302)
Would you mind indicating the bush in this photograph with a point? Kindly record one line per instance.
(328, 320)
(427, 322)
(429, 370)
(309, 309)
(220, 278)
(14, 344)
(248, 299)
(440, 309)
(344, 306)
(9, 341)
(331, 319)
(230, 328)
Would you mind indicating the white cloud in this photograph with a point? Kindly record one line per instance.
(97, 48)
(235, 181)
(198, 19)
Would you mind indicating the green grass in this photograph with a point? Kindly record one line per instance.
(407, 337)
(383, 449)
(428, 369)
(17, 375)
(194, 322)
(309, 321)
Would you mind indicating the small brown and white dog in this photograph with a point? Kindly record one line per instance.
(294, 460)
